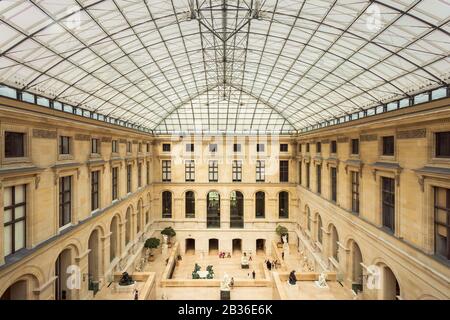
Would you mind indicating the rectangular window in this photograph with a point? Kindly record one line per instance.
(129, 178)
(237, 147)
(64, 145)
(237, 171)
(129, 147)
(355, 146)
(334, 184)
(95, 148)
(308, 176)
(189, 173)
(300, 148)
(442, 222)
(388, 203)
(166, 147)
(139, 175)
(284, 171)
(213, 148)
(65, 201)
(300, 172)
(260, 147)
(333, 147)
(14, 219)
(388, 146)
(147, 167)
(213, 171)
(148, 147)
(140, 147)
(190, 147)
(114, 148)
(166, 171)
(355, 192)
(319, 179)
(307, 147)
(442, 144)
(284, 147)
(115, 185)
(95, 190)
(260, 171)
(318, 147)
(14, 144)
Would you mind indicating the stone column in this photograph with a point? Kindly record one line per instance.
(249, 210)
(82, 262)
(272, 209)
(200, 212)
(225, 213)
(178, 211)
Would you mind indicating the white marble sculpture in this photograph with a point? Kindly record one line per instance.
(285, 246)
(244, 260)
(165, 246)
(225, 285)
(322, 282)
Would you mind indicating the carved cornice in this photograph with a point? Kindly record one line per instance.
(441, 173)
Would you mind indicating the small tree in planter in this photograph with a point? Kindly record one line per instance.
(281, 231)
(169, 232)
(150, 244)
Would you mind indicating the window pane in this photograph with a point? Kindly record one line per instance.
(7, 215)
(7, 231)
(19, 235)
(20, 194)
(7, 196)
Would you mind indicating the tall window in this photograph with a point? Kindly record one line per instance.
(236, 210)
(190, 147)
(318, 147)
(95, 190)
(355, 146)
(14, 218)
(140, 147)
(307, 148)
(308, 218)
(319, 229)
(129, 178)
(129, 147)
(308, 176)
(284, 147)
(333, 147)
(284, 171)
(213, 171)
(388, 203)
(139, 175)
(14, 144)
(213, 210)
(300, 172)
(319, 179)
(388, 146)
(442, 144)
(260, 171)
(189, 171)
(167, 204)
(236, 147)
(355, 192)
(115, 183)
(260, 204)
(166, 147)
(65, 200)
(147, 147)
(333, 178)
(147, 167)
(190, 204)
(64, 145)
(237, 171)
(442, 222)
(166, 171)
(95, 145)
(260, 147)
(114, 146)
(283, 204)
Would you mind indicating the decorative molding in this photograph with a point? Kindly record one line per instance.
(82, 137)
(368, 137)
(44, 134)
(342, 139)
(106, 139)
(412, 134)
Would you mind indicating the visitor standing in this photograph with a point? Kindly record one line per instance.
(254, 274)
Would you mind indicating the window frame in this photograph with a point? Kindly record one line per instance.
(260, 171)
(284, 171)
(13, 221)
(189, 171)
(166, 170)
(236, 174)
(213, 171)
(62, 222)
(95, 190)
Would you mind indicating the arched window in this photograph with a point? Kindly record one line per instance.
(283, 204)
(113, 244)
(308, 218)
(236, 210)
(139, 216)
(260, 205)
(128, 226)
(190, 204)
(319, 229)
(213, 210)
(334, 243)
(167, 204)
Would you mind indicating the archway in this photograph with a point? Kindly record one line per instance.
(213, 246)
(64, 260)
(261, 247)
(128, 226)
(17, 291)
(334, 243)
(190, 247)
(356, 269)
(94, 261)
(140, 208)
(236, 210)
(237, 246)
(114, 239)
(390, 288)
(213, 209)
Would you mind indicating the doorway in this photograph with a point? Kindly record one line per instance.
(190, 247)
(237, 246)
(213, 246)
(261, 247)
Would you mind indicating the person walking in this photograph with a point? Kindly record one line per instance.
(254, 274)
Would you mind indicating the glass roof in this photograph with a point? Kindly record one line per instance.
(228, 65)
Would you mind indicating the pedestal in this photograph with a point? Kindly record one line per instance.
(225, 295)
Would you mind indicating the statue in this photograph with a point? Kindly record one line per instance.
(284, 238)
(126, 279)
(322, 282)
(244, 261)
(225, 285)
(165, 239)
(285, 246)
(292, 278)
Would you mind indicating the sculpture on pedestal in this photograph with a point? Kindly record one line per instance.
(126, 279)
(244, 261)
(285, 246)
(225, 284)
(292, 278)
(322, 282)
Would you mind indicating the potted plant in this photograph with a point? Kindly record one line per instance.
(281, 231)
(169, 232)
(150, 244)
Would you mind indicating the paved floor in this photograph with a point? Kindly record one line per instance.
(240, 293)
